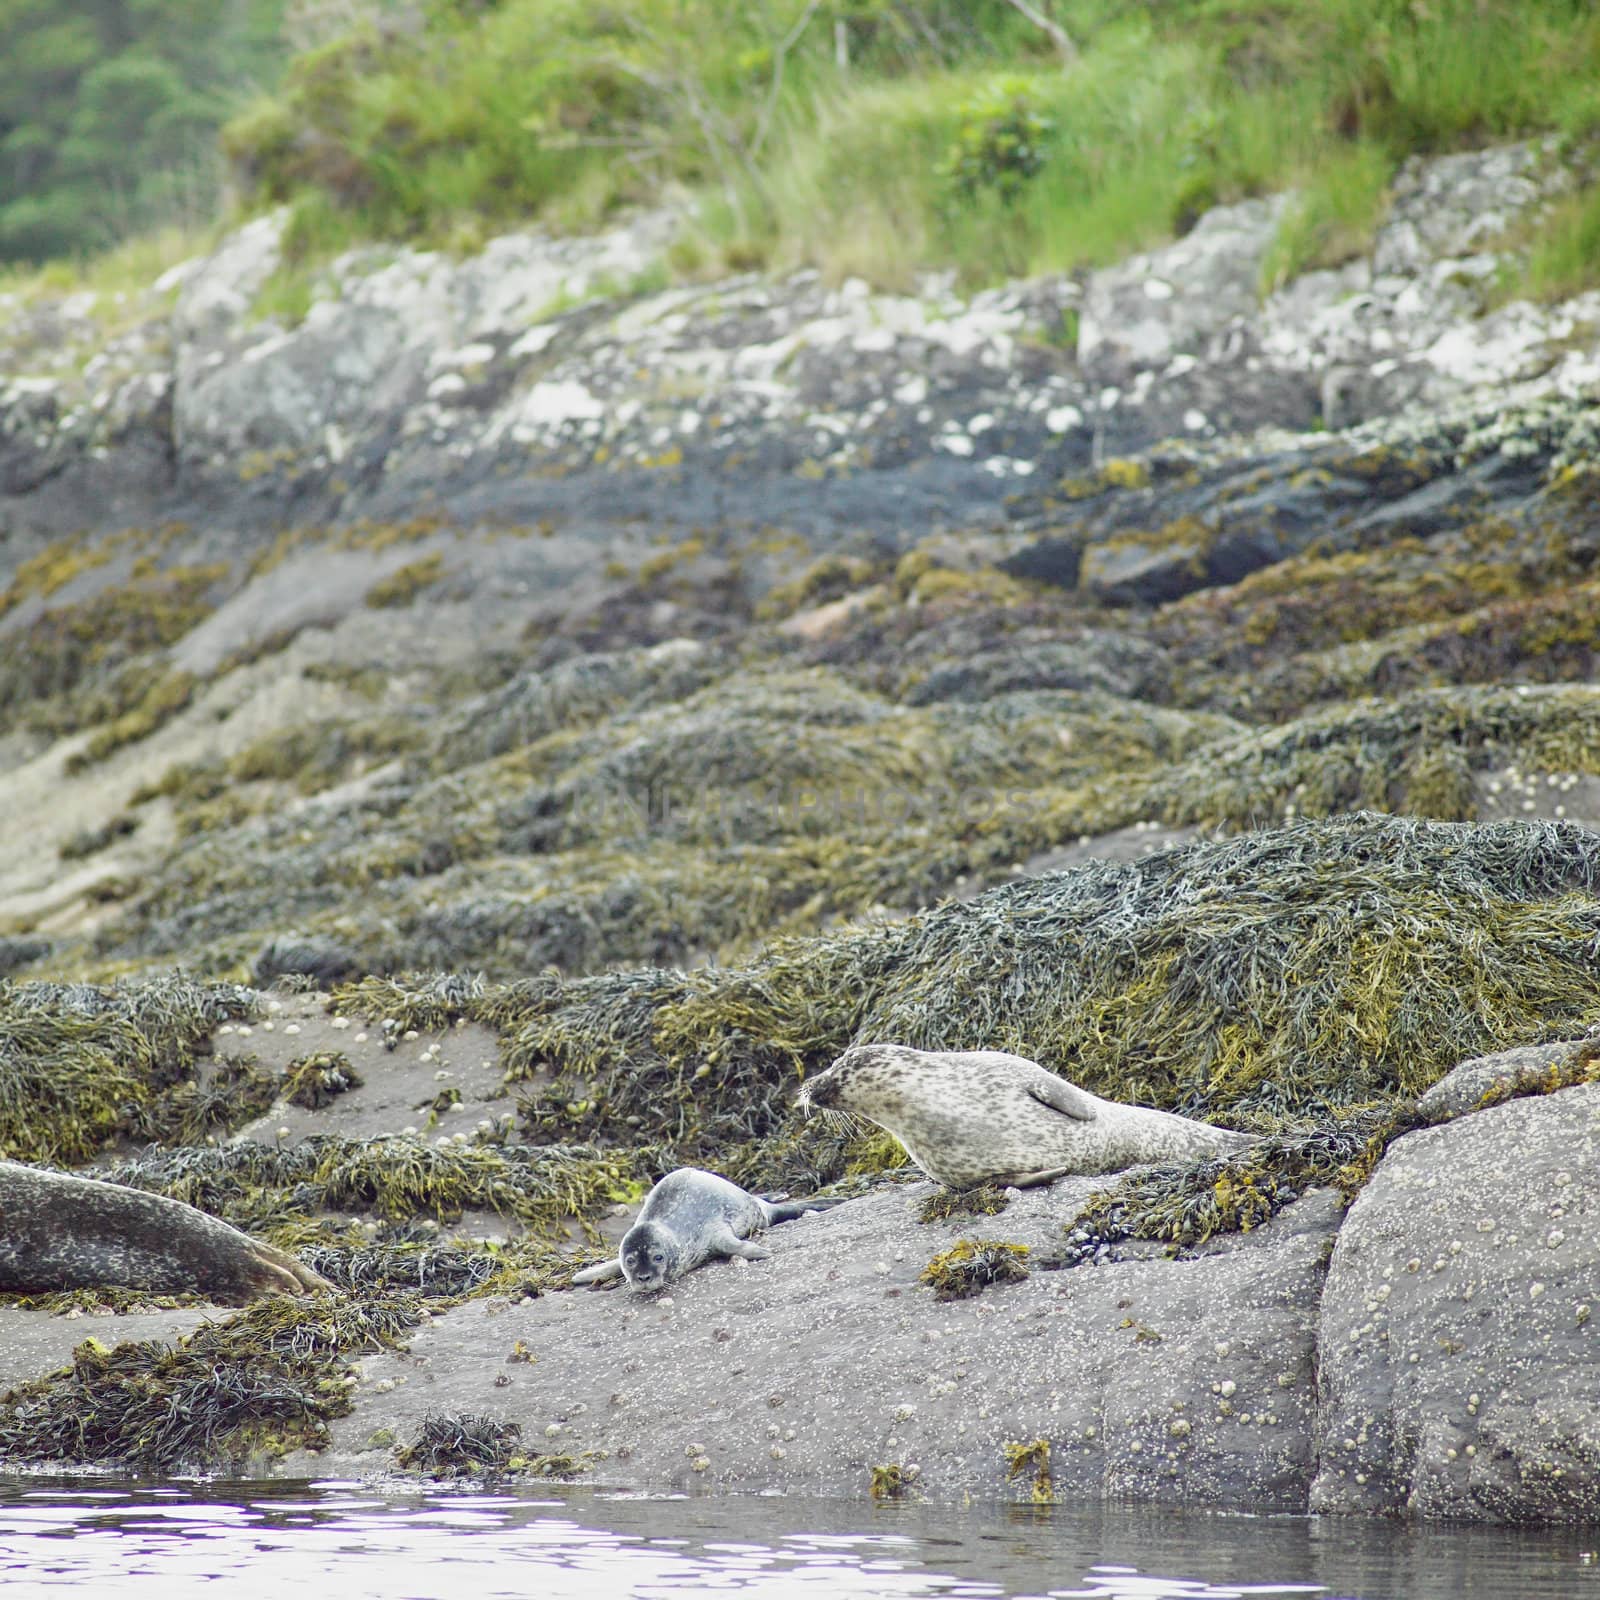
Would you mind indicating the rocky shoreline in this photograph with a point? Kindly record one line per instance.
(1191, 689)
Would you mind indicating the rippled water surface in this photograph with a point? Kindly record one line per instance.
(181, 1539)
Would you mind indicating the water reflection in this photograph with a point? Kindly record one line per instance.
(185, 1537)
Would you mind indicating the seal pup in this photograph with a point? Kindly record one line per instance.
(970, 1117)
(687, 1219)
(60, 1231)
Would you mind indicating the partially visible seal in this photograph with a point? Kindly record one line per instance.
(690, 1217)
(969, 1117)
(59, 1231)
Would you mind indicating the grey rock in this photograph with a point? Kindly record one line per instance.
(1163, 1381)
(1457, 1350)
(786, 402)
(1460, 1091)
(1148, 569)
(1179, 300)
(215, 291)
(17, 950)
(326, 961)
(1457, 205)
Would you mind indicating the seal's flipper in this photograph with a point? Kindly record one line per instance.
(1059, 1095)
(284, 1272)
(600, 1274)
(1030, 1180)
(788, 1210)
(725, 1242)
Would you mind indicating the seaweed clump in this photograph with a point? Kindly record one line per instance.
(469, 1444)
(235, 1091)
(1581, 1067)
(970, 1267)
(450, 1444)
(266, 1381)
(1417, 753)
(943, 1204)
(1262, 979)
(81, 1064)
(1186, 1204)
(317, 1080)
(891, 1481)
(263, 1187)
(1032, 1458)
(1324, 962)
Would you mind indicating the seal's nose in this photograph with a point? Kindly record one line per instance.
(816, 1094)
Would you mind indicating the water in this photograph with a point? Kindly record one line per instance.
(178, 1539)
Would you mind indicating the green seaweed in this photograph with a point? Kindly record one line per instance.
(81, 1065)
(316, 1080)
(469, 1444)
(404, 584)
(235, 1091)
(265, 1381)
(972, 1265)
(1032, 1458)
(1333, 961)
(267, 1187)
(943, 1204)
(163, 697)
(451, 1444)
(1415, 754)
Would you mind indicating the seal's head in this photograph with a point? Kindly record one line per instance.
(865, 1078)
(649, 1256)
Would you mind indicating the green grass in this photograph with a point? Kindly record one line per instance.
(1333, 218)
(951, 136)
(120, 279)
(1564, 251)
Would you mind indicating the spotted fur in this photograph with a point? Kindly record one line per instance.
(60, 1231)
(690, 1217)
(970, 1117)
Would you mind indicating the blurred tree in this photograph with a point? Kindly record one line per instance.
(109, 117)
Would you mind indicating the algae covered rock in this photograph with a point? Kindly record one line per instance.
(1486, 1080)
(322, 961)
(1323, 962)
(1457, 1344)
(788, 628)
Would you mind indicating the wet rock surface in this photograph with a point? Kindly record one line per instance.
(1457, 1344)
(1153, 1380)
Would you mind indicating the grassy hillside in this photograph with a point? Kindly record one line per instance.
(883, 136)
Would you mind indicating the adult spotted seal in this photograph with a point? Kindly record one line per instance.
(59, 1231)
(688, 1218)
(969, 1117)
